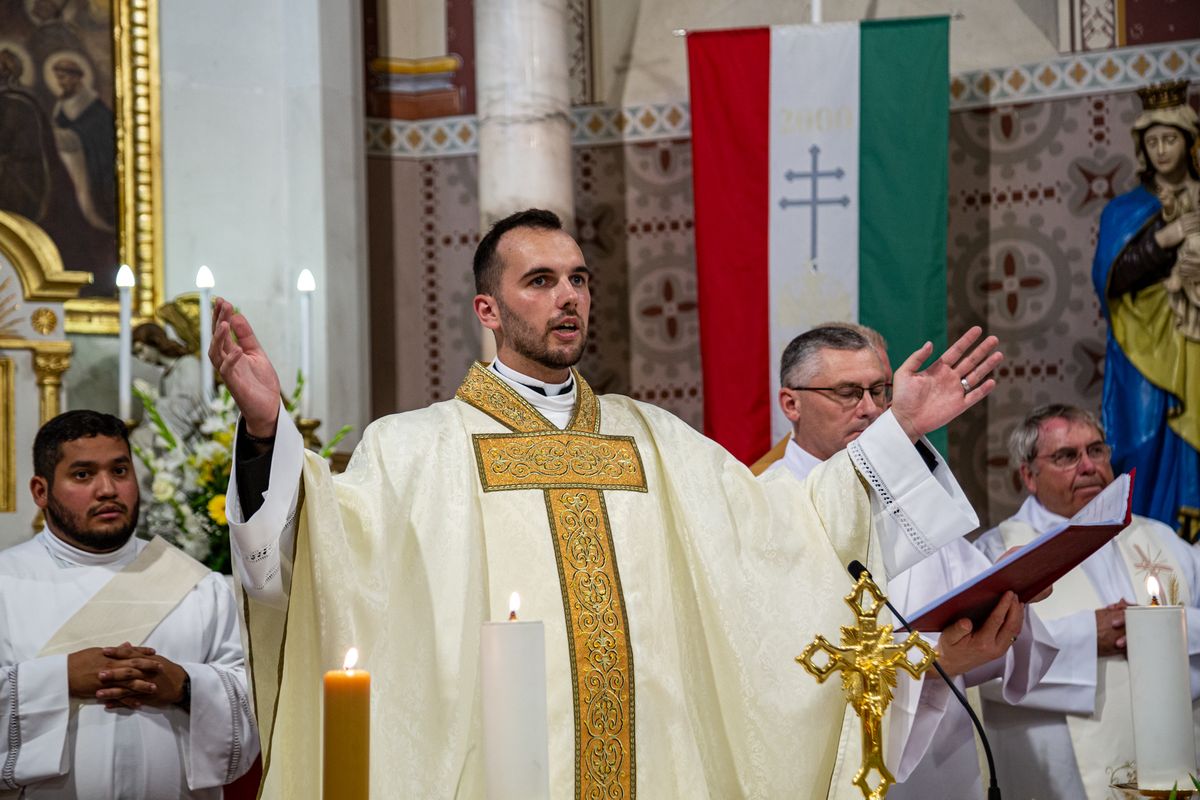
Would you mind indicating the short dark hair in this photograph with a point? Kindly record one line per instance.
(67, 427)
(487, 263)
(799, 362)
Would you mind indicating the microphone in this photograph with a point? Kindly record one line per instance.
(856, 569)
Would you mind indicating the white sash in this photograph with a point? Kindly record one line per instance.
(132, 603)
(1103, 742)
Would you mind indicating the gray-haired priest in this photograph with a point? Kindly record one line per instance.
(121, 669)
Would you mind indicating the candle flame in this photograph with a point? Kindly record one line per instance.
(125, 276)
(306, 282)
(1153, 589)
(351, 658)
(514, 605)
(204, 278)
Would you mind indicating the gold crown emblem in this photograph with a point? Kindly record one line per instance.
(1164, 95)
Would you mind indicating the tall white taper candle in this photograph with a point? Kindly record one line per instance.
(1160, 688)
(516, 750)
(205, 282)
(125, 283)
(306, 285)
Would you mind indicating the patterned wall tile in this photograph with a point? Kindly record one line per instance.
(1027, 185)
(1070, 75)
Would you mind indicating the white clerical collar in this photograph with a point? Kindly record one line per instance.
(1037, 516)
(68, 556)
(549, 389)
(557, 407)
(798, 460)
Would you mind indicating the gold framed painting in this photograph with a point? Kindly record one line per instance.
(80, 142)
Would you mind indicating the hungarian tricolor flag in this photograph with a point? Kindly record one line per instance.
(820, 193)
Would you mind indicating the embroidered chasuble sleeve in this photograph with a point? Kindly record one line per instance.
(713, 582)
(262, 545)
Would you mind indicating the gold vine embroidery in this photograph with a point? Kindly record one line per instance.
(573, 468)
(558, 460)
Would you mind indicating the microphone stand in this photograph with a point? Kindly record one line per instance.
(856, 569)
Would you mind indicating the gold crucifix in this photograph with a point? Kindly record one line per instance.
(868, 660)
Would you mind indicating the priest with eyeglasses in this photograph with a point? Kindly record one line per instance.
(1071, 736)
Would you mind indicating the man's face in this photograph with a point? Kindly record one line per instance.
(1065, 490)
(541, 304)
(93, 501)
(824, 423)
(68, 80)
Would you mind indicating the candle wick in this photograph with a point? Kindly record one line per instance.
(1154, 601)
(512, 615)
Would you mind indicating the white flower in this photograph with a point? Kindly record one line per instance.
(163, 488)
(145, 388)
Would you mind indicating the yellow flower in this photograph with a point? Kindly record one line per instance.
(223, 438)
(216, 509)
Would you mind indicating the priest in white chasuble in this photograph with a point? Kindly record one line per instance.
(673, 587)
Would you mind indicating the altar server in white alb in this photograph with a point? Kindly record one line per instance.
(121, 669)
(675, 589)
(1072, 735)
(835, 381)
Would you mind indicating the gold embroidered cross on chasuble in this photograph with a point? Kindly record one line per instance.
(573, 468)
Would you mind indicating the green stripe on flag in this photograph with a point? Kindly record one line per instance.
(903, 135)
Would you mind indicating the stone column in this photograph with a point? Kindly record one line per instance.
(523, 104)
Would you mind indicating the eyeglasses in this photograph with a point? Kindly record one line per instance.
(1068, 457)
(851, 394)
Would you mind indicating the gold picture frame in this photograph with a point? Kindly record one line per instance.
(137, 117)
(8, 437)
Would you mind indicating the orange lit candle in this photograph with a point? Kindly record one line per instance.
(347, 772)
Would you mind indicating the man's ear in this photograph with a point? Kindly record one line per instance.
(488, 311)
(1028, 479)
(790, 406)
(40, 489)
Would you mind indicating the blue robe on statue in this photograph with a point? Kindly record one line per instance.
(1135, 412)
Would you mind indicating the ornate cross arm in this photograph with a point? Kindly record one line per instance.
(868, 661)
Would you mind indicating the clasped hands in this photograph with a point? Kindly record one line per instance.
(125, 676)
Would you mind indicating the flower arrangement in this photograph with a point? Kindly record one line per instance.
(189, 473)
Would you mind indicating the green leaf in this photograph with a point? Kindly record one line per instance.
(156, 418)
(327, 450)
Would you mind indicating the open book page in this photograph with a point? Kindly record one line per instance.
(1037, 565)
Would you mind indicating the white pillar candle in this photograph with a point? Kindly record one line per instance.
(1160, 688)
(306, 285)
(205, 282)
(125, 283)
(516, 750)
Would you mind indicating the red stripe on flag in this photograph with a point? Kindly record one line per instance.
(729, 73)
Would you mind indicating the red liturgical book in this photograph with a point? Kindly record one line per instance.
(1037, 565)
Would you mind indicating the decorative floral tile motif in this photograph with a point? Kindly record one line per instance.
(1065, 76)
(1027, 185)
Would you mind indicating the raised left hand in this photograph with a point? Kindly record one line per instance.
(925, 401)
(961, 649)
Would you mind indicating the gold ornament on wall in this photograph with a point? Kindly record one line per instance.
(44, 321)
